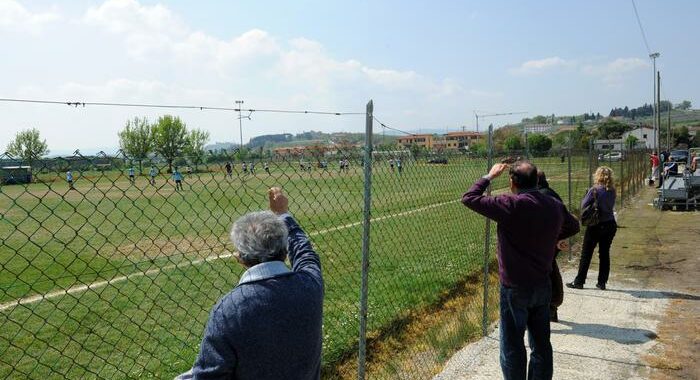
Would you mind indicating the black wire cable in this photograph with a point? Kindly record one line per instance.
(393, 129)
(177, 106)
(641, 28)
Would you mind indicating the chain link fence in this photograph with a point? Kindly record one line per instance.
(108, 275)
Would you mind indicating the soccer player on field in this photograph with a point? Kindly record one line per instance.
(69, 179)
(177, 177)
(229, 170)
(131, 175)
(267, 167)
(152, 173)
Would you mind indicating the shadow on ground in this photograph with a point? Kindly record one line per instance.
(620, 335)
(651, 294)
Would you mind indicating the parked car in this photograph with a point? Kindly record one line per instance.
(680, 155)
(438, 160)
(612, 156)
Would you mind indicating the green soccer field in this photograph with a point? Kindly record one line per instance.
(115, 280)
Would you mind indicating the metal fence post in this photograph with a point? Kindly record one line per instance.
(362, 355)
(590, 163)
(569, 187)
(622, 179)
(487, 243)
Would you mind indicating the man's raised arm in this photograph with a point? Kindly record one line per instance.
(299, 249)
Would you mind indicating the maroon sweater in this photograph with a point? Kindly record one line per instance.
(529, 226)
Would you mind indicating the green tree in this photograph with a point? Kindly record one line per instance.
(539, 143)
(681, 135)
(196, 140)
(539, 119)
(513, 143)
(612, 129)
(28, 145)
(169, 138)
(415, 149)
(136, 139)
(480, 149)
(684, 105)
(631, 141)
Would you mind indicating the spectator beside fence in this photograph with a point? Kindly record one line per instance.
(269, 325)
(655, 166)
(601, 233)
(555, 275)
(526, 248)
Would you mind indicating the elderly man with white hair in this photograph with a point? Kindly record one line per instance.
(269, 325)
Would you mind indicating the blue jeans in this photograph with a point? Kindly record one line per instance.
(526, 308)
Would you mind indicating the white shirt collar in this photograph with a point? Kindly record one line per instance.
(264, 271)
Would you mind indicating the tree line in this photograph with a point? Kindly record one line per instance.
(168, 137)
(647, 110)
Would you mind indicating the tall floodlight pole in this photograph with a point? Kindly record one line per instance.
(655, 108)
(239, 105)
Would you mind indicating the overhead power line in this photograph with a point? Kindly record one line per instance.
(391, 128)
(641, 28)
(175, 106)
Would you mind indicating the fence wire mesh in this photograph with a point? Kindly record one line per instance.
(113, 276)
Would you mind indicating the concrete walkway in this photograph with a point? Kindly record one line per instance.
(601, 335)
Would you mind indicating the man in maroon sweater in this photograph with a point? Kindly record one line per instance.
(529, 226)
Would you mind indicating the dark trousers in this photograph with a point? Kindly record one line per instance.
(557, 285)
(601, 235)
(525, 309)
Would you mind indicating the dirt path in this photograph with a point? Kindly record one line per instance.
(645, 326)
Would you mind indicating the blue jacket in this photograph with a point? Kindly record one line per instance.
(269, 326)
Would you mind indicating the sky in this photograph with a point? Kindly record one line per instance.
(425, 64)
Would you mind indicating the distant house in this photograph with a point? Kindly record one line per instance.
(457, 140)
(614, 144)
(644, 135)
(10, 175)
(422, 140)
(538, 128)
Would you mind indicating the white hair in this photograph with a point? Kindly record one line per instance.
(260, 237)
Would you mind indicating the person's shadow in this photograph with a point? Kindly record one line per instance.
(652, 294)
(618, 334)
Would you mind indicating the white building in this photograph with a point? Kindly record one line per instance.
(537, 128)
(644, 135)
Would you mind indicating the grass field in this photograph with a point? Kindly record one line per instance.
(156, 260)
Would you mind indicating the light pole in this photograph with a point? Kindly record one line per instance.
(239, 105)
(653, 57)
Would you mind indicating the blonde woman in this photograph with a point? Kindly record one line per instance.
(601, 234)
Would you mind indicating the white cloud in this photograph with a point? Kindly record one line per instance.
(15, 17)
(614, 72)
(538, 66)
(155, 33)
(161, 59)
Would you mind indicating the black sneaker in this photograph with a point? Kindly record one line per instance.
(600, 286)
(574, 285)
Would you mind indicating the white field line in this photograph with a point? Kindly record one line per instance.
(101, 284)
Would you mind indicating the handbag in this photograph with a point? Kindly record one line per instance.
(590, 215)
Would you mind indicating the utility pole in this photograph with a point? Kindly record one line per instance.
(655, 127)
(668, 134)
(658, 105)
(239, 105)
